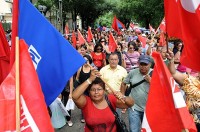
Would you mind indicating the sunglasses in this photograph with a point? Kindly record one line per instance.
(99, 48)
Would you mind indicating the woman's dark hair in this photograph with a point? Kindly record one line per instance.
(89, 58)
(96, 46)
(97, 81)
(120, 44)
(175, 50)
(134, 45)
(84, 46)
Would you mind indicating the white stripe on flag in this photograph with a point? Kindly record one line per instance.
(28, 116)
(145, 124)
(178, 100)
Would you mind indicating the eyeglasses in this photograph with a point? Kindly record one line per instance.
(96, 90)
(99, 48)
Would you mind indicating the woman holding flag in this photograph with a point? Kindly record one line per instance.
(191, 87)
(97, 114)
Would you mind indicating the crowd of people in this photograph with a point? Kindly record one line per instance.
(111, 74)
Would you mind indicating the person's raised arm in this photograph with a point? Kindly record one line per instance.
(179, 77)
(78, 94)
(149, 49)
(123, 60)
(123, 88)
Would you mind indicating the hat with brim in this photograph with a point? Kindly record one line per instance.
(144, 59)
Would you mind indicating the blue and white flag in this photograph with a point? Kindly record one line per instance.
(54, 58)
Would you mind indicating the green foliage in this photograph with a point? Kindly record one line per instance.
(88, 10)
(140, 11)
(102, 11)
(47, 3)
(104, 20)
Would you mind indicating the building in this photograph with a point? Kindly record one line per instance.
(6, 11)
(53, 16)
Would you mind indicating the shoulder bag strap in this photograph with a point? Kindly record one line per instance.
(140, 82)
(136, 84)
(110, 106)
(129, 58)
(112, 109)
(128, 91)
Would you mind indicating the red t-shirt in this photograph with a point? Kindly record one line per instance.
(98, 59)
(99, 119)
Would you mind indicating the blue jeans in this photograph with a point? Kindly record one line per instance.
(135, 120)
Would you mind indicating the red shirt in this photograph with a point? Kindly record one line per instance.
(98, 59)
(99, 119)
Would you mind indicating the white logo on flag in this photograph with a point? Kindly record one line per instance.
(27, 121)
(34, 55)
(190, 5)
(177, 96)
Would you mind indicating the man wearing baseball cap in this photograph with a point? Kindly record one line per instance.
(139, 80)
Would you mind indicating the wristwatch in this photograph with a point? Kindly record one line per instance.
(124, 98)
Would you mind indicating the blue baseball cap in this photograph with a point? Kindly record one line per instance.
(144, 59)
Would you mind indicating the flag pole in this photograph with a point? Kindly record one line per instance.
(166, 39)
(17, 82)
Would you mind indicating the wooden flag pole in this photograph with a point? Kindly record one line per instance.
(17, 83)
(166, 39)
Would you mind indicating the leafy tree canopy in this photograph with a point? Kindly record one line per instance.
(102, 11)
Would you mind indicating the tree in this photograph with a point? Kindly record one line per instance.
(47, 3)
(140, 11)
(88, 10)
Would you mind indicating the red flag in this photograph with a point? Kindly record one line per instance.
(186, 27)
(162, 41)
(34, 115)
(66, 31)
(112, 43)
(162, 26)
(14, 30)
(151, 29)
(81, 38)
(89, 36)
(114, 24)
(120, 24)
(4, 55)
(74, 39)
(166, 102)
(143, 40)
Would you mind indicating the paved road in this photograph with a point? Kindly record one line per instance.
(78, 126)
